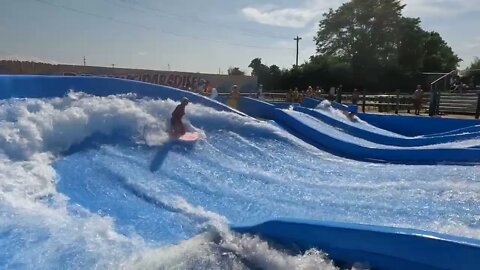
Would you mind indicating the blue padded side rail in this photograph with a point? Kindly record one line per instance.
(39, 86)
(378, 247)
(321, 140)
(384, 139)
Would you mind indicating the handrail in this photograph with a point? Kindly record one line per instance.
(434, 107)
(444, 76)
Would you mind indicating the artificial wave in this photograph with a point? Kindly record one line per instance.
(92, 181)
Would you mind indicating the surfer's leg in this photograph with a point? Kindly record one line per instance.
(181, 129)
(177, 127)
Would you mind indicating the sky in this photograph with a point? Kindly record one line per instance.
(197, 35)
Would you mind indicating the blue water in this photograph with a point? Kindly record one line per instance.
(111, 201)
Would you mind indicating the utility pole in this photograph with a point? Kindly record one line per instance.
(297, 39)
(84, 61)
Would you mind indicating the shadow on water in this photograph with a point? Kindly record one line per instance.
(163, 150)
(96, 140)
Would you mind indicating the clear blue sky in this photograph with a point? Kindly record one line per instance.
(196, 35)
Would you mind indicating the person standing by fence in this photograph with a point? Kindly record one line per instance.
(318, 91)
(296, 95)
(355, 96)
(417, 99)
(234, 97)
(331, 93)
(338, 97)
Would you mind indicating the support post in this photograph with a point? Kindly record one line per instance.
(437, 105)
(477, 113)
(363, 100)
(433, 101)
(297, 39)
(398, 102)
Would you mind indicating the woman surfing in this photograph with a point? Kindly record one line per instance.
(177, 129)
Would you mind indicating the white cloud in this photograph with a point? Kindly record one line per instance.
(305, 14)
(299, 17)
(311, 10)
(288, 17)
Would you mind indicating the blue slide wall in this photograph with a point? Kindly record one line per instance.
(385, 248)
(38, 86)
(469, 129)
(261, 109)
(313, 103)
(375, 246)
(416, 125)
(407, 125)
(384, 139)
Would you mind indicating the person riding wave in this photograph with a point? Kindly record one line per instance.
(177, 127)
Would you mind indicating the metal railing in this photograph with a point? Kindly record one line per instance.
(396, 103)
(434, 107)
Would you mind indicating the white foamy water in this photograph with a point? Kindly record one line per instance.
(132, 200)
(339, 134)
(40, 228)
(326, 109)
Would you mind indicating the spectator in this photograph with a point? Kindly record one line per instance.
(339, 94)
(310, 91)
(214, 93)
(355, 96)
(331, 93)
(417, 99)
(459, 87)
(260, 92)
(318, 91)
(234, 97)
(290, 95)
(296, 95)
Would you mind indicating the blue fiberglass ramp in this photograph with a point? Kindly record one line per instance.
(373, 246)
(470, 129)
(38, 86)
(297, 124)
(458, 135)
(76, 200)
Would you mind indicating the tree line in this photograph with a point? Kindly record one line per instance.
(365, 44)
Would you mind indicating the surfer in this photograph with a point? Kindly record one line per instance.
(177, 127)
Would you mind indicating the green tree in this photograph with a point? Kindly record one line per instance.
(262, 72)
(473, 73)
(361, 31)
(383, 48)
(475, 64)
(438, 56)
(275, 77)
(235, 71)
(411, 45)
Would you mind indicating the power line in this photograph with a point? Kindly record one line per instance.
(144, 9)
(154, 28)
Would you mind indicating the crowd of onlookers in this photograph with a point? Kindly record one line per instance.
(297, 96)
(335, 94)
(458, 84)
